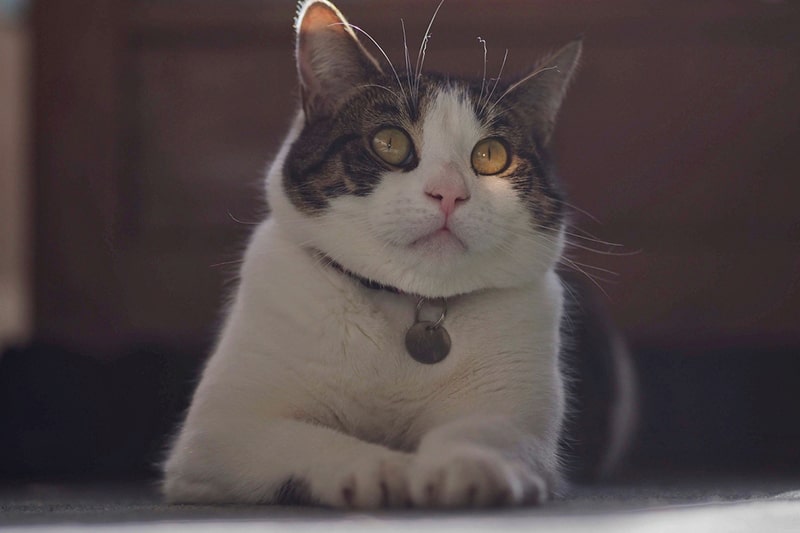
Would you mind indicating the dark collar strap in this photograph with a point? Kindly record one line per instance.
(368, 283)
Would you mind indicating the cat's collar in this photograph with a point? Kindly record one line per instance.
(427, 342)
(366, 282)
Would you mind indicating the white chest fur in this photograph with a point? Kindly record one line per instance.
(306, 342)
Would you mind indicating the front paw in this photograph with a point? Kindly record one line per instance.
(371, 482)
(472, 477)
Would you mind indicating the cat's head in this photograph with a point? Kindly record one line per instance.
(436, 186)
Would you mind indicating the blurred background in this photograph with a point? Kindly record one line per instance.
(133, 139)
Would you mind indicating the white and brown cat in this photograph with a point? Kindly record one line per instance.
(398, 202)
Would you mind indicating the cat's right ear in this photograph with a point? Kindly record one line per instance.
(541, 92)
(331, 61)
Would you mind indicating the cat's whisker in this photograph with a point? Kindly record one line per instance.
(590, 238)
(224, 263)
(241, 221)
(483, 80)
(593, 279)
(534, 236)
(614, 253)
(570, 244)
(527, 231)
(496, 81)
(513, 86)
(575, 298)
(579, 210)
(418, 75)
(414, 102)
(422, 49)
(382, 51)
(597, 268)
(385, 88)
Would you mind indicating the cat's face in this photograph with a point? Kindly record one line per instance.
(429, 185)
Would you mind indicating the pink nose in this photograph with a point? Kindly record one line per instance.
(449, 192)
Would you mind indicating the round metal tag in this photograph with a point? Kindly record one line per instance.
(427, 342)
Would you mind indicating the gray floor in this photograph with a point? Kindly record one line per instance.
(730, 505)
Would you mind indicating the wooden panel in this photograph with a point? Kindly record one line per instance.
(76, 148)
(14, 177)
(205, 123)
(708, 294)
(156, 119)
(711, 152)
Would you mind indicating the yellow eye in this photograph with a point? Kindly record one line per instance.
(392, 145)
(490, 156)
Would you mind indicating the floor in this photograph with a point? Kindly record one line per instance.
(679, 506)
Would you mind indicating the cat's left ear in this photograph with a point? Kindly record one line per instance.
(541, 92)
(331, 62)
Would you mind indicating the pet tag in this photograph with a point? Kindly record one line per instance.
(428, 342)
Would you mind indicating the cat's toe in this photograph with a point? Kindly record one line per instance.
(375, 482)
(472, 477)
(535, 489)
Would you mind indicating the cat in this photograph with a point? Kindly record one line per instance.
(395, 337)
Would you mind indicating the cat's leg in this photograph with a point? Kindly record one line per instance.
(479, 461)
(273, 461)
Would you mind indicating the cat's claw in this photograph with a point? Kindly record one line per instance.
(472, 477)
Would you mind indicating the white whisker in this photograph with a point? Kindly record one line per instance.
(483, 80)
(382, 51)
(587, 275)
(579, 210)
(422, 48)
(520, 82)
(379, 87)
(241, 221)
(597, 268)
(408, 64)
(496, 81)
(614, 253)
(225, 263)
(591, 238)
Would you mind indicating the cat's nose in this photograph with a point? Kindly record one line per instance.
(449, 197)
(450, 191)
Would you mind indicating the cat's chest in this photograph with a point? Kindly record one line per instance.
(375, 335)
(374, 387)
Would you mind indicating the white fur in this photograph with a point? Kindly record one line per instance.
(311, 379)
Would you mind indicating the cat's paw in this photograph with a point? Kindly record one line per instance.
(472, 477)
(372, 482)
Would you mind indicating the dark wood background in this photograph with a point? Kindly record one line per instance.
(154, 120)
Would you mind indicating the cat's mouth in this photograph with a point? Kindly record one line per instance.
(441, 241)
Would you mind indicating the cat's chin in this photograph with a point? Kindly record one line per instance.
(441, 243)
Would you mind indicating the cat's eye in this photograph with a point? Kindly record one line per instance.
(490, 156)
(393, 146)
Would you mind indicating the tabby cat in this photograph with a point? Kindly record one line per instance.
(395, 336)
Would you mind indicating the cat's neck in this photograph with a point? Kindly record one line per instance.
(366, 282)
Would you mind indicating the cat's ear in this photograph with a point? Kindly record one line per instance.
(541, 92)
(331, 61)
